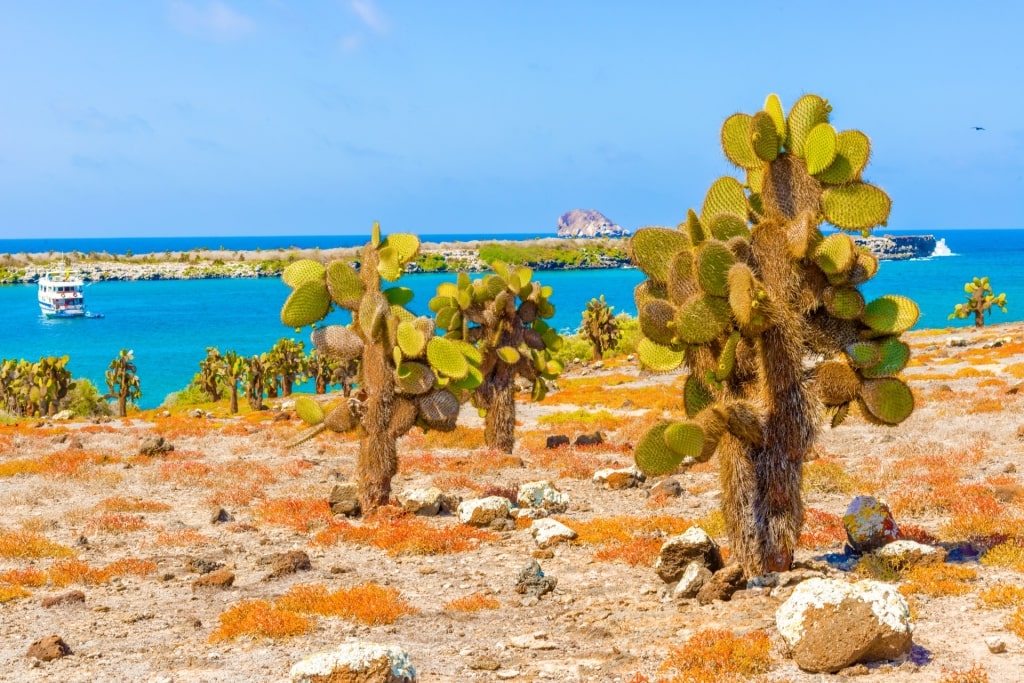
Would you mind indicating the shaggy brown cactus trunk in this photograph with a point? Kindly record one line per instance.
(500, 422)
(378, 449)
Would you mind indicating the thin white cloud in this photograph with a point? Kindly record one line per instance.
(214, 20)
(351, 42)
(369, 15)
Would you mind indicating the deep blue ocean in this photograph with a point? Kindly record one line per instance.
(169, 324)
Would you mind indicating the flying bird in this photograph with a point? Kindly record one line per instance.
(977, 128)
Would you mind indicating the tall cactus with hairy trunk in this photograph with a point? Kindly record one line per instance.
(764, 310)
(502, 317)
(980, 298)
(233, 371)
(122, 381)
(404, 370)
(50, 383)
(286, 365)
(210, 376)
(255, 377)
(600, 326)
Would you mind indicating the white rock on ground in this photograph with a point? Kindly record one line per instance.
(483, 511)
(365, 662)
(542, 495)
(616, 479)
(869, 524)
(906, 553)
(426, 502)
(550, 531)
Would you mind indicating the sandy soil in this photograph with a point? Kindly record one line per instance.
(606, 621)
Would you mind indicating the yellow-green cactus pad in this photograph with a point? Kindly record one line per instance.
(725, 195)
(446, 358)
(389, 267)
(402, 314)
(307, 304)
(888, 400)
(736, 141)
(727, 359)
(694, 228)
(743, 291)
(862, 354)
(308, 410)
(405, 246)
(472, 380)
(685, 438)
(681, 283)
(645, 291)
(410, 339)
(725, 226)
(773, 107)
(545, 309)
(845, 303)
(696, 396)
(375, 234)
(891, 314)
(855, 207)
(820, 148)
(340, 419)
(438, 409)
(398, 296)
(837, 383)
(471, 353)
(414, 378)
(853, 149)
(302, 271)
(864, 269)
(337, 342)
(658, 358)
(807, 112)
(657, 321)
(755, 180)
(344, 285)
(702, 319)
(835, 254)
(653, 456)
(764, 137)
(508, 355)
(652, 250)
(893, 356)
(712, 261)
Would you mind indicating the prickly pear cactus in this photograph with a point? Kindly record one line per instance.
(748, 295)
(406, 374)
(498, 323)
(122, 381)
(600, 326)
(980, 298)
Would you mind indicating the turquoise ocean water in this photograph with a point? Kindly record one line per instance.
(169, 324)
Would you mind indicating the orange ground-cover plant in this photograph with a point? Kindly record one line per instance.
(123, 504)
(400, 534)
(29, 545)
(367, 603)
(260, 619)
(474, 602)
(299, 514)
(717, 656)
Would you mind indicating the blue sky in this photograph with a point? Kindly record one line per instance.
(190, 117)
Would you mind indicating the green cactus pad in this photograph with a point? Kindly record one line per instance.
(740, 248)
(836, 383)
(807, 112)
(893, 356)
(835, 254)
(472, 380)
(681, 283)
(755, 180)
(439, 409)
(645, 291)
(712, 261)
(306, 305)
(373, 310)
(398, 296)
(301, 272)
(652, 250)
(389, 267)
(539, 391)
(519, 278)
(702, 319)
(685, 438)
(887, 400)
(820, 148)
(736, 141)
(891, 314)
(471, 353)
(845, 303)
(658, 358)
(375, 234)
(725, 195)
(855, 207)
(440, 302)
(725, 226)
(864, 269)
(657, 319)
(405, 246)
(487, 288)
(764, 137)
(340, 419)
(508, 355)
(344, 285)
(696, 396)
(694, 228)
(652, 455)
(402, 314)
(862, 354)
(743, 289)
(414, 378)
(446, 358)
(411, 340)
(545, 309)
(773, 107)
(853, 149)
(338, 342)
(449, 319)
(727, 359)
(308, 410)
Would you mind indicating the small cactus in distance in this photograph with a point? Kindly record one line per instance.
(600, 326)
(498, 321)
(286, 365)
(233, 371)
(764, 310)
(405, 372)
(255, 377)
(122, 381)
(210, 378)
(980, 298)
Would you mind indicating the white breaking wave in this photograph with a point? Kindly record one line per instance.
(941, 249)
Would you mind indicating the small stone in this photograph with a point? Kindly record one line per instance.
(548, 532)
(202, 565)
(425, 502)
(995, 645)
(344, 499)
(543, 554)
(542, 495)
(450, 503)
(482, 511)
(694, 577)
(1010, 469)
(221, 516)
(722, 585)
(155, 445)
(693, 545)
(221, 578)
(69, 598)
(667, 487)
(288, 563)
(532, 581)
(49, 648)
(557, 441)
(483, 664)
(595, 439)
(617, 479)
(869, 524)
(356, 663)
(905, 554)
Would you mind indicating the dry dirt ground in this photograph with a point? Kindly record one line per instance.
(83, 510)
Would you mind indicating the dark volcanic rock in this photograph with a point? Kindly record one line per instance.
(895, 248)
(588, 223)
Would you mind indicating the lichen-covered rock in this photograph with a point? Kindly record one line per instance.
(548, 532)
(693, 545)
(532, 580)
(541, 495)
(616, 479)
(425, 502)
(905, 554)
(869, 524)
(483, 511)
(356, 663)
(830, 624)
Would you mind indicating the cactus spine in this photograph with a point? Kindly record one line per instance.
(600, 326)
(500, 318)
(749, 290)
(980, 298)
(403, 374)
(122, 382)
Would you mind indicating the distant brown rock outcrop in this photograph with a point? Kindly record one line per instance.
(588, 223)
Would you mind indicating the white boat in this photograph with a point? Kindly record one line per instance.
(60, 295)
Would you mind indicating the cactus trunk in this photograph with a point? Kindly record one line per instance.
(233, 402)
(378, 450)
(500, 421)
